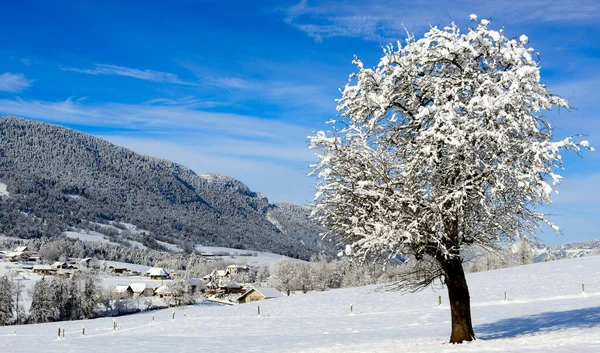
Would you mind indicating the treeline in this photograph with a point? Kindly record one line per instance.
(53, 299)
(59, 178)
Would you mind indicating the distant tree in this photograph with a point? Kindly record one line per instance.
(440, 147)
(7, 305)
(17, 279)
(524, 253)
(283, 275)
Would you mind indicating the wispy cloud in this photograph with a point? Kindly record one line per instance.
(180, 120)
(14, 82)
(380, 20)
(146, 75)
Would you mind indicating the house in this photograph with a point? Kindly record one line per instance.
(59, 265)
(235, 269)
(86, 261)
(196, 284)
(163, 292)
(124, 291)
(141, 289)
(117, 269)
(230, 288)
(157, 273)
(256, 294)
(44, 270)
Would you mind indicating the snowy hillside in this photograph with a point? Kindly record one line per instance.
(545, 312)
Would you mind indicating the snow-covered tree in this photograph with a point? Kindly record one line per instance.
(17, 280)
(442, 146)
(7, 305)
(43, 307)
(283, 275)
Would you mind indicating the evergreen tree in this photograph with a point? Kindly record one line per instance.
(6, 301)
(43, 306)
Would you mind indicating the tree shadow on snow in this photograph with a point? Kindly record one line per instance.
(544, 322)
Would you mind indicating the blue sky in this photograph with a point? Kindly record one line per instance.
(235, 87)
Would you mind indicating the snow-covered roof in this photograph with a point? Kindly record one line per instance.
(21, 249)
(121, 288)
(58, 264)
(157, 271)
(163, 290)
(221, 273)
(138, 287)
(269, 292)
(43, 267)
(195, 281)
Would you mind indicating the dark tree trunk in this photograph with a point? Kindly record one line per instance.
(460, 301)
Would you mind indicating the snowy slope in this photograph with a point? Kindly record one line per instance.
(546, 312)
(258, 258)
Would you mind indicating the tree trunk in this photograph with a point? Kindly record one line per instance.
(460, 301)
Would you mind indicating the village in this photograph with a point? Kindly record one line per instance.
(133, 287)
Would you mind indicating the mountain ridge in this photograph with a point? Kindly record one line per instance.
(59, 178)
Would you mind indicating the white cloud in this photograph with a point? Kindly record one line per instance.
(383, 20)
(146, 75)
(13, 82)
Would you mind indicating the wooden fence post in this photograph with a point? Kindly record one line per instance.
(439, 300)
(351, 308)
(63, 333)
(59, 331)
(173, 316)
(582, 288)
(504, 296)
(258, 307)
(83, 331)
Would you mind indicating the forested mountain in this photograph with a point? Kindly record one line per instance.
(58, 178)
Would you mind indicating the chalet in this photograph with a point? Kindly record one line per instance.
(230, 288)
(117, 269)
(44, 270)
(141, 289)
(124, 291)
(59, 265)
(256, 294)
(157, 273)
(163, 292)
(235, 269)
(87, 261)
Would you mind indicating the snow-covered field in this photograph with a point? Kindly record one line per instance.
(233, 255)
(545, 312)
(87, 236)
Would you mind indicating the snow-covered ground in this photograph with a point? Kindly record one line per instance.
(3, 191)
(238, 256)
(87, 235)
(169, 246)
(545, 312)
